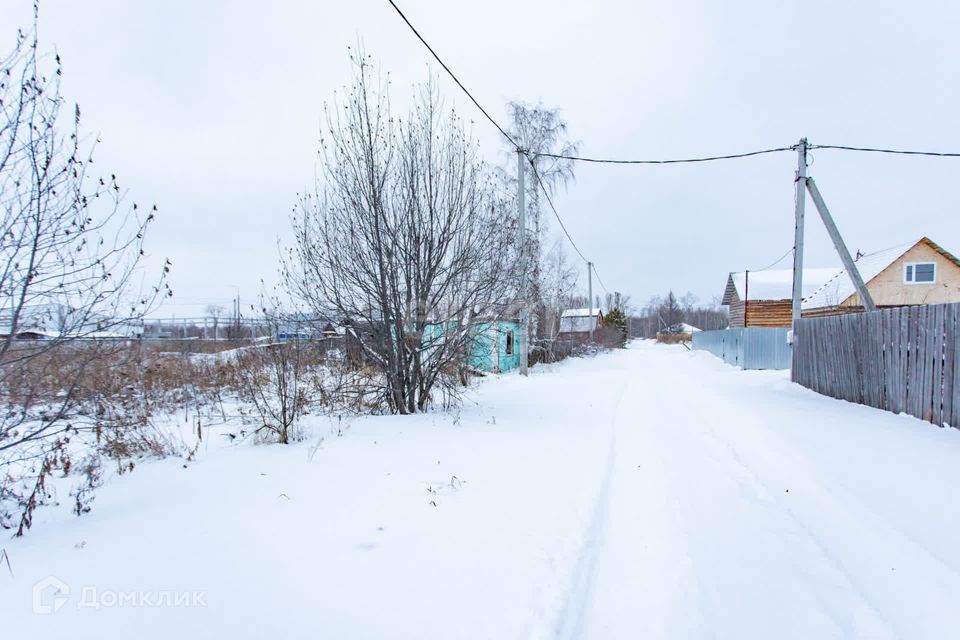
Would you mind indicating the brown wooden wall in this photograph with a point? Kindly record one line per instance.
(767, 313)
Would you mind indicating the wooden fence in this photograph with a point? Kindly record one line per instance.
(900, 359)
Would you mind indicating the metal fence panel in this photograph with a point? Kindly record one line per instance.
(749, 348)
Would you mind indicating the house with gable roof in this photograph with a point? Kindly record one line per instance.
(915, 273)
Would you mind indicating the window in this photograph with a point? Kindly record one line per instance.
(509, 343)
(920, 273)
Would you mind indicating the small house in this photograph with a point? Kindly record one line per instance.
(920, 272)
(493, 345)
(576, 324)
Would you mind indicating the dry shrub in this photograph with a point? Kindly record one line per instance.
(673, 338)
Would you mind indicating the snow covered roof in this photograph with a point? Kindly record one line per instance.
(570, 313)
(580, 320)
(839, 287)
(774, 284)
(688, 328)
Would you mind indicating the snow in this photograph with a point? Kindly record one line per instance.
(647, 493)
(570, 313)
(777, 284)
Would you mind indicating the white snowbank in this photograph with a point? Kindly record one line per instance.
(648, 493)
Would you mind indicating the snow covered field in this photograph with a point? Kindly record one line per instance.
(647, 493)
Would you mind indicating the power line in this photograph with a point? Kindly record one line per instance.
(546, 193)
(894, 151)
(603, 286)
(556, 214)
(775, 262)
(455, 79)
(671, 161)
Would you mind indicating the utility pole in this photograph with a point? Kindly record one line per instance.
(800, 203)
(590, 296)
(865, 298)
(522, 205)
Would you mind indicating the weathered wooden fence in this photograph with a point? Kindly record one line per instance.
(902, 360)
(751, 348)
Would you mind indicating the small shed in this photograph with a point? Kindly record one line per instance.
(576, 324)
(496, 345)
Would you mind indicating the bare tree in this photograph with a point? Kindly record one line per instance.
(215, 311)
(69, 276)
(406, 239)
(560, 280)
(279, 379)
(541, 130)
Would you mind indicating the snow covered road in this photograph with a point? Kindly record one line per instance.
(647, 493)
(744, 507)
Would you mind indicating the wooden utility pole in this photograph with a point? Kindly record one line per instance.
(590, 297)
(803, 185)
(522, 205)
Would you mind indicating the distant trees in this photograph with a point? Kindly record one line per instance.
(670, 312)
(407, 237)
(662, 312)
(70, 256)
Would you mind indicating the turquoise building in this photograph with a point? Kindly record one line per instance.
(496, 346)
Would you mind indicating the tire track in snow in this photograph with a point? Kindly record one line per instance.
(570, 619)
(576, 603)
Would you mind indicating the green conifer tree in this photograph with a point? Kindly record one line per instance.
(617, 320)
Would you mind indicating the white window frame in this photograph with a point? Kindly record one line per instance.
(913, 271)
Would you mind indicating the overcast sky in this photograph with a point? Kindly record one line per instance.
(213, 109)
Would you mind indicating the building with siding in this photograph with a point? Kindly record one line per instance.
(576, 324)
(919, 272)
(496, 345)
(764, 298)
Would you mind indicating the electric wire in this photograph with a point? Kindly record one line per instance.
(546, 194)
(731, 156)
(892, 151)
(556, 215)
(775, 262)
(455, 79)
